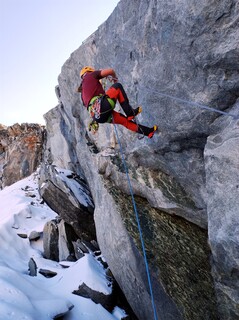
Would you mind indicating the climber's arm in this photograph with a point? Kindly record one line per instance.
(108, 72)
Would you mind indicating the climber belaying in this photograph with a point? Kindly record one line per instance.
(101, 104)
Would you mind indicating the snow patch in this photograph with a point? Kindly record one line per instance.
(33, 298)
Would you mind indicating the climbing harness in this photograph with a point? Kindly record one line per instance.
(138, 223)
(191, 103)
(94, 107)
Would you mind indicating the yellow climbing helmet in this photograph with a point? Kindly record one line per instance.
(86, 69)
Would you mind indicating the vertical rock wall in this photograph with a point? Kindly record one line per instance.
(187, 50)
(222, 174)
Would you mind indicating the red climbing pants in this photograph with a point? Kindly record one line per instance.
(117, 92)
(118, 118)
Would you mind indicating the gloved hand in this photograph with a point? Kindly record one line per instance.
(111, 79)
(93, 126)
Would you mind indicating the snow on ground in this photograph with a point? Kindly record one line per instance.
(23, 297)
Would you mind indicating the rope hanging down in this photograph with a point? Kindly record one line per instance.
(191, 103)
(138, 224)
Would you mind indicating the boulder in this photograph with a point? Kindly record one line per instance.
(69, 196)
(34, 235)
(47, 273)
(65, 242)
(98, 297)
(50, 240)
(32, 267)
(60, 242)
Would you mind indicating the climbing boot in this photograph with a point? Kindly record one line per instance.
(153, 130)
(136, 112)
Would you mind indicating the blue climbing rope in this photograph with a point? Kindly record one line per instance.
(191, 103)
(138, 223)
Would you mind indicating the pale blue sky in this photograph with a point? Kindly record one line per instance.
(36, 38)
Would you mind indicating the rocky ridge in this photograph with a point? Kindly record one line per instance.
(20, 151)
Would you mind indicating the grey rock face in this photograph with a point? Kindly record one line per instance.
(222, 172)
(188, 50)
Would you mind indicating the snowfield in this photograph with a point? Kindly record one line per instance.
(24, 297)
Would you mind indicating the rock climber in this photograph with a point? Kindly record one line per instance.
(101, 104)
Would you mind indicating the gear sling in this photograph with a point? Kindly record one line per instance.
(100, 108)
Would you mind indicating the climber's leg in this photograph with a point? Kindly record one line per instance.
(117, 92)
(118, 118)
